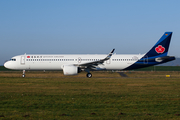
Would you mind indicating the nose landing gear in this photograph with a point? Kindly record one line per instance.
(23, 75)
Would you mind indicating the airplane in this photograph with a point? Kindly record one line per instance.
(72, 64)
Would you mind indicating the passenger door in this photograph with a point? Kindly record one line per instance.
(146, 59)
(22, 60)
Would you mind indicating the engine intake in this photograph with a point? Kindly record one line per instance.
(71, 70)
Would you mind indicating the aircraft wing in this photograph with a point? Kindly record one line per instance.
(94, 64)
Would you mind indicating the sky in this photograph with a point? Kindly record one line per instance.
(86, 26)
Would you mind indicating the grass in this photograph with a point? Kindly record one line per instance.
(151, 68)
(160, 68)
(50, 95)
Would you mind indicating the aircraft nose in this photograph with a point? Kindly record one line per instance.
(7, 65)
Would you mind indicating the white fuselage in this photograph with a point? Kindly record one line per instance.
(55, 62)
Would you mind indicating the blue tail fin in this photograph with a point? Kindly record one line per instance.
(160, 49)
(157, 54)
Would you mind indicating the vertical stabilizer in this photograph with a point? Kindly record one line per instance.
(156, 55)
(161, 48)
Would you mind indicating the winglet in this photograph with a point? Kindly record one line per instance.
(109, 55)
(112, 51)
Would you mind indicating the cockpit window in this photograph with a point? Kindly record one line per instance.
(12, 59)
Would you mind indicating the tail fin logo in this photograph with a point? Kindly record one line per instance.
(159, 49)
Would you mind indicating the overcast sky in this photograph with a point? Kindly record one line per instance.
(86, 26)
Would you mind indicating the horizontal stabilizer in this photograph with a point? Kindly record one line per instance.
(165, 59)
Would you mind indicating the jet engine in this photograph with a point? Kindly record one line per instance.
(71, 70)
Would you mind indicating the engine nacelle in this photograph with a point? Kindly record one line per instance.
(70, 70)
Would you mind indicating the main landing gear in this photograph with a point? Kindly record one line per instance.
(89, 75)
(23, 75)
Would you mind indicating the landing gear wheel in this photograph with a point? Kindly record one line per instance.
(89, 75)
(23, 75)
